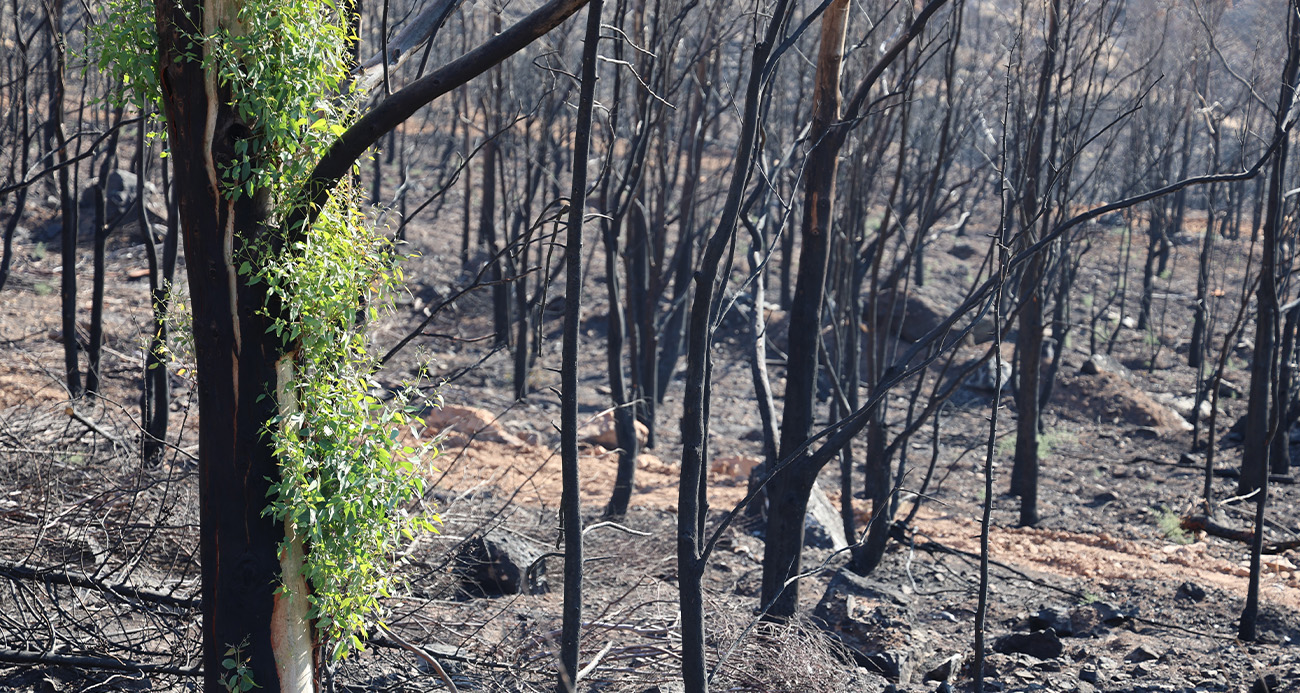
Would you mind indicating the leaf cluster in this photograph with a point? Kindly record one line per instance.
(346, 474)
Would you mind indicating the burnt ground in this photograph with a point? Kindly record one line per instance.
(1137, 604)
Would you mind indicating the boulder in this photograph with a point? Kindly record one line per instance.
(986, 376)
(1043, 644)
(121, 192)
(600, 431)
(872, 621)
(1095, 618)
(462, 425)
(1106, 396)
(912, 315)
(963, 251)
(823, 528)
(1105, 363)
(497, 565)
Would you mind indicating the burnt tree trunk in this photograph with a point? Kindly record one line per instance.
(1029, 341)
(790, 487)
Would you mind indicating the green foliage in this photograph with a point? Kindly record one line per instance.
(237, 676)
(346, 474)
(125, 42)
(1171, 526)
(285, 64)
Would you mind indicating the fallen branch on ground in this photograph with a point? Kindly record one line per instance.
(88, 662)
(1202, 523)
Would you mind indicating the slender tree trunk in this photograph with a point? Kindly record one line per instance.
(58, 141)
(1029, 341)
(1259, 423)
(1255, 451)
(571, 503)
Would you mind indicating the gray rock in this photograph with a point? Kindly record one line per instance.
(1050, 618)
(1043, 644)
(1105, 363)
(872, 621)
(963, 251)
(1192, 591)
(1096, 617)
(1140, 654)
(945, 670)
(667, 687)
(986, 376)
(1101, 500)
(823, 528)
(121, 193)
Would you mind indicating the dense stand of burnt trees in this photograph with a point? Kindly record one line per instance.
(832, 177)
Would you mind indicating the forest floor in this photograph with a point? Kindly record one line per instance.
(1138, 603)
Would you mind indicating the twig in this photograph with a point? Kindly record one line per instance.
(615, 525)
(94, 427)
(428, 658)
(595, 662)
(21, 572)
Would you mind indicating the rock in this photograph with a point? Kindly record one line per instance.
(823, 528)
(1090, 674)
(1090, 618)
(1101, 500)
(1141, 654)
(945, 670)
(923, 309)
(667, 687)
(461, 425)
(872, 621)
(1267, 683)
(1043, 644)
(894, 665)
(1107, 397)
(734, 468)
(963, 251)
(497, 565)
(120, 197)
(1192, 591)
(600, 431)
(986, 376)
(1048, 618)
(1105, 363)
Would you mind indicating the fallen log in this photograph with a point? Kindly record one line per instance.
(1203, 523)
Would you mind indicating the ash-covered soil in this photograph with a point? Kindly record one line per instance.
(1133, 602)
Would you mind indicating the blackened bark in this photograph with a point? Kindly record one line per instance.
(1254, 462)
(624, 412)
(1255, 451)
(1029, 340)
(788, 492)
(570, 501)
(692, 499)
(235, 358)
(59, 143)
(93, 347)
